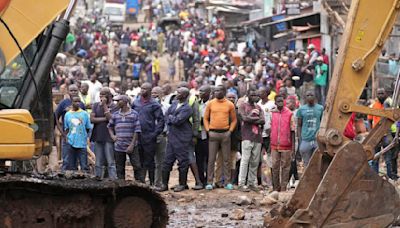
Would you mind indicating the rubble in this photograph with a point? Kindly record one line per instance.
(237, 214)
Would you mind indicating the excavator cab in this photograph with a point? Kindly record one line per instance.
(30, 40)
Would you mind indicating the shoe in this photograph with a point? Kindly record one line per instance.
(162, 188)
(243, 188)
(296, 182)
(209, 187)
(179, 188)
(229, 187)
(198, 186)
(182, 180)
(254, 188)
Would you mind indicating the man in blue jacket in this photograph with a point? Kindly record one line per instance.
(151, 121)
(179, 140)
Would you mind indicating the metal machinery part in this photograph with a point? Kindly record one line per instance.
(338, 188)
(54, 201)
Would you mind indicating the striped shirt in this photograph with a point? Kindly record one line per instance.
(125, 126)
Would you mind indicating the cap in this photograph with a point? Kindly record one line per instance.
(124, 98)
(311, 46)
(320, 58)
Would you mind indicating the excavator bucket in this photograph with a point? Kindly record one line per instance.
(348, 194)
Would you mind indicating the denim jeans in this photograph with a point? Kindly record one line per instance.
(251, 156)
(64, 148)
(388, 156)
(306, 150)
(72, 156)
(105, 157)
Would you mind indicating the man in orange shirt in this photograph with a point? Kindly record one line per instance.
(219, 121)
(374, 120)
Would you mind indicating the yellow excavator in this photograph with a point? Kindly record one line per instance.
(31, 34)
(338, 188)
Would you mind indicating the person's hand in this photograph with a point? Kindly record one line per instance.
(130, 148)
(114, 138)
(255, 112)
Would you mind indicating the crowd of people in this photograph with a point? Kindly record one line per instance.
(230, 120)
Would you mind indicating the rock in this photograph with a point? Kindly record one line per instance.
(274, 195)
(268, 201)
(237, 214)
(199, 225)
(224, 215)
(202, 194)
(244, 200)
(285, 196)
(181, 200)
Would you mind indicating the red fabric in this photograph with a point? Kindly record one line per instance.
(281, 138)
(317, 43)
(349, 131)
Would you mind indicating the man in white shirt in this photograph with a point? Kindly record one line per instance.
(267, 106)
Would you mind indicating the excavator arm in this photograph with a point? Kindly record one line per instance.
(338, 188)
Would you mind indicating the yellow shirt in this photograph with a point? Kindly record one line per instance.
(156, 66)
(271, 96)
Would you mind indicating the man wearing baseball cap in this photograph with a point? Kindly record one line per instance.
(124, 127)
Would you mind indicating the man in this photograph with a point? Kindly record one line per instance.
(76, 126)
(63, 107)
(94, 87)
(133, 89)
(104, 145)
(252, 118)
(308, 121)
(179, 140)
(85, 97)
(219, 122)
(267, 106)
(171, 59)
(321, 76)
(158, 94)
(313, 54)
(152, 125)
(235, 141)
(382, 103)
(282, 144)
(195, 120)
(124, 127)
(156, 69)
(201, 148)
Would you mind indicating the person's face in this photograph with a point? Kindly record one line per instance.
(288, 83)
(283, 91)
(291, 104)
(76, 103)
(219, 93)
(381, 94)
(155, 93)
(84, 89)
(204, 93)
(93, 77)
(310, 97)
(181, 95)
(254, 97)
(103, 95)
(121, 103)
(73, 91)
(279, 102)
(231, 98)
(145, 90)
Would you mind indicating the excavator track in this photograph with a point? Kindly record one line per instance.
(33, 202)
